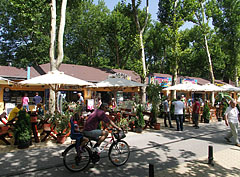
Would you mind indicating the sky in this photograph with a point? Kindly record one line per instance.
(153, 9)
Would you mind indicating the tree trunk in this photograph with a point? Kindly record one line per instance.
(236, 76)
(55, 63)
(209, 60)
(140, 32)
(53, 36)
(175, 65)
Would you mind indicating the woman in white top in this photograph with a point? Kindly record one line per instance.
(178, 113)
(232, 118)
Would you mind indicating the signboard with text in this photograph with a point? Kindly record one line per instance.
(186, 81)
(163, 81)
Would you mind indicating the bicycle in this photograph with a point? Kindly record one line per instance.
(118, 153)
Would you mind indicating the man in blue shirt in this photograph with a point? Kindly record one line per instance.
(37, 99)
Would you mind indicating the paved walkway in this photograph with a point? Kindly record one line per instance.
(172, 153)
(226, 163)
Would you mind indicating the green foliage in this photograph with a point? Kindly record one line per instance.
(226, 20)
(61, 121)
(25, 27)
(223, 96)
(153, 94)
(96, 36)
(22, 130)
(123, 123)
(139, 120)
(206, 112)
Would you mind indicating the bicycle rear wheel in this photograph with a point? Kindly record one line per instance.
(119, 153)
(73, 162)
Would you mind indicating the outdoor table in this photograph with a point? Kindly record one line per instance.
(129, 114)
(49, 130)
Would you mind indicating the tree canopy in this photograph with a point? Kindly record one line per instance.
(96, 36)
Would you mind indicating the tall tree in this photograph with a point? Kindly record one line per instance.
(24, 32)
(170, 13)
(120, 34)
(140, 30)
(199, 9)
(85, 24)
(56, 62)
(226, 20)
(156, 47)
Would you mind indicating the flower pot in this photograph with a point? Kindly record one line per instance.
(24, 144)
(47, 127)
(138, 129)
(206, 120)
(61, 139)
(157, 126)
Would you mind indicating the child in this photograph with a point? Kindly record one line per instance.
(77, 134)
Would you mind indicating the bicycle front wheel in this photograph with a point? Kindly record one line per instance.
(119, 153)
(73, 162)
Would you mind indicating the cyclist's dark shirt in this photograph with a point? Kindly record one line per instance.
(94, 120)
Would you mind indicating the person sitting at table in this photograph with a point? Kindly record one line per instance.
(13, 113)
(39, 109)
(113, 103)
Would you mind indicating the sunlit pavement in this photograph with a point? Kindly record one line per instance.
(171, 152)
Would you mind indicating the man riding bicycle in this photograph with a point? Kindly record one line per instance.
(90, 128)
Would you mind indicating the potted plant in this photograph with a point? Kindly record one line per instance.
(61, 122)
(206, 113)
(139, 120)
(123, 123)
(22, 130)
(153, 93)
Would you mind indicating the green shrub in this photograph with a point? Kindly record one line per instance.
(139, 120)
(22, 130)
(206, 112)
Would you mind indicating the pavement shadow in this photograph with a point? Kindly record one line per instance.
(25, 160)
(198, 168)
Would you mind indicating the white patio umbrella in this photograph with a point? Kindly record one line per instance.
(230, 88)
(212, 88)
(115, 84)
(118, 82)
(55, 79)
(5, 81)
(185, 87)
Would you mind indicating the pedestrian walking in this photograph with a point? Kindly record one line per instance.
(232, 119)
(178, 113)
(167, 115)
(195, 112)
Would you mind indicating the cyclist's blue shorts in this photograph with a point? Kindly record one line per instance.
(93, 133)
